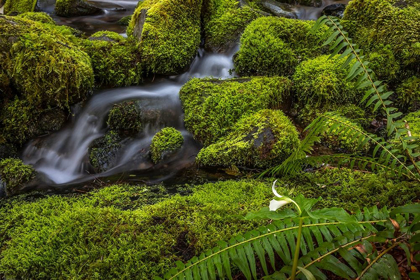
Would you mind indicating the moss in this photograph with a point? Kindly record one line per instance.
(64, 237)
(383, 63)
(125, 21)
(70, 8)
(413, 120)
(115, 60)
(212, 107)
(19, 6)
(262, 139)
(225, 21)
(409, 94)
(275, 46)
(15, 173)
(169, 35)
(165, 142)
(38, 16)
(104, 150)
(125, 117)
(46, 68)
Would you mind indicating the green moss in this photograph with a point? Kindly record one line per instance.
(82, 238)
(409, 94)
(170, 35)
(69, 8)
(19, 6)
(125, 21)
(125, 117)
(275, 46)
(15, 173)
(115, 60)
(262, 139)
(383, 63)
(38, 16)
(104, 150)
(225, 21)
(166, 141)
(413, 120)
(212, 107)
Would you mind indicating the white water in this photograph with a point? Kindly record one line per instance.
(63, 157)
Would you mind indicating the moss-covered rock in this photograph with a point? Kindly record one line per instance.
(413, 120)
(169, 34)
(71, 8)
(37, 16)
(212, 107)
(409, 94)
(320, 85)
(165, 142)
(19, 6)
(15, 174)
(125, 21)
(262, 139)
(115, 60)
(275, 46)
(125, 118)
(225, 20)
(104, 150)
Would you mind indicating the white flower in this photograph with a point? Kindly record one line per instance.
(276, 204)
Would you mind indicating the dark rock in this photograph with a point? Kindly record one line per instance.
(8, 151)
(138, 27)
(107, 6)
(45, 6)
(279, 9)
(70, 8)
(335, 10)
(104, 152)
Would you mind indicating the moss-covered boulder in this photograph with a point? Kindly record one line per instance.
(115, 60)
(168, 32)
(125, 118)
(320, 85)
(261, 139)
(71, 8)
(19, 6)
(165, 142)
(275, 46)
(408, 94)
(212, 107)
(37, 16)
(224, 22)
(125, 21)
(104, 150)
(413, 120)
(14, 173)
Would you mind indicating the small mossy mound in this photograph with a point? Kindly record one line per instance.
(262, 139)
(320, 85)
(383, 63)
(125, 118)
(37, 16)
(169, 34)
(225, 21)
(104, 150)
(275, 46)
(115, 60)
(15, 174)
(212, 107)
(125, 21)
(413, 120)
(71, 8)
(165, 142)
(409, 94)
(19, 6)
(377, 23)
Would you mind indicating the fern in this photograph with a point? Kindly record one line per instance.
(327, 245)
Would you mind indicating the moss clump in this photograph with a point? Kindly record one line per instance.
(19, 6)
(259, 140)
(70, 8)
(104, 150)
(212, 107)
(15, 173)
(275, 46)
(166, 141)
(409, 94)
(115, 60)
(88, 239)
(17, 117)
(225, 21)
(37, 16)
(383, 63)
(125, 21)
(125, 118)
(169, 34)
(413, 120)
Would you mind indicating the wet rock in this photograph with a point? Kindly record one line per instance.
(125, 118)
(70, 8)
(279, 9)
(7, 151)
(335, 10)
(104, 151)
(107, 6)
(139, 24)
(45, 6)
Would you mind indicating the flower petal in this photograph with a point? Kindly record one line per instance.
(276, 204)
(274, 189)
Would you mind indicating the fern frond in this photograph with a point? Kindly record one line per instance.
(276, 243)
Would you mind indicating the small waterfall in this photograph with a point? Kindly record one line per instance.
(63, 157)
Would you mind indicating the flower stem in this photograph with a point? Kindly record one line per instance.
(297, 249)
